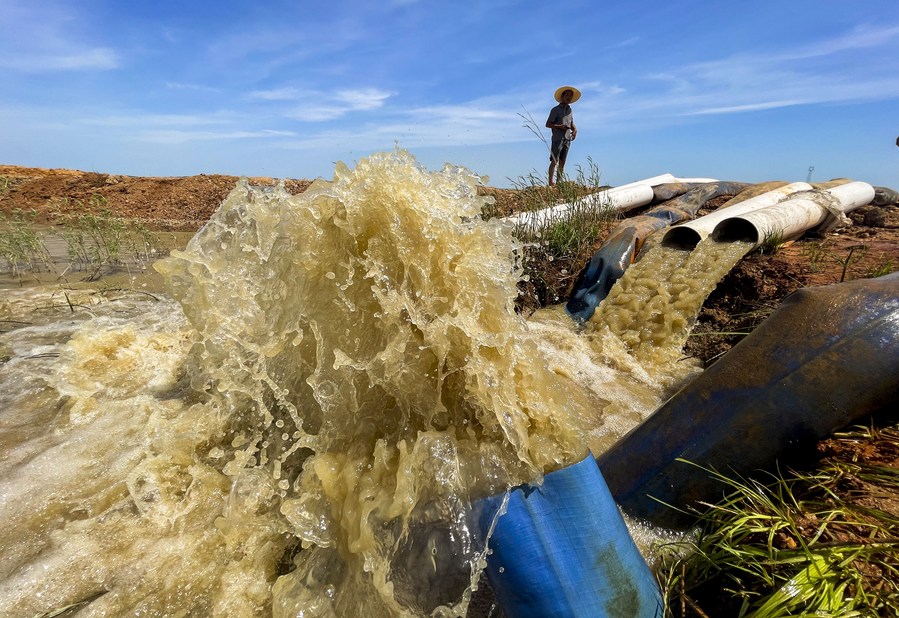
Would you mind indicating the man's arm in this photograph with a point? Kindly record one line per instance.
(573, 130)
(551, 121)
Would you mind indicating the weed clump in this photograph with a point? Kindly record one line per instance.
(822, 543)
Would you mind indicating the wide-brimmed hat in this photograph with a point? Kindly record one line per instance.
(575, 91)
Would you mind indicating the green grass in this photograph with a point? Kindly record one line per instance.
(20, 246)
(821, 543)
(556, 248)
(95, 239)
(772, 243)
(881, 269)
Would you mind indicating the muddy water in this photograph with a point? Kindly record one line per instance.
(299, 425)
(652, 307)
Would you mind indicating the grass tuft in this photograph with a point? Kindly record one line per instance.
(555, 248)
(822, 543)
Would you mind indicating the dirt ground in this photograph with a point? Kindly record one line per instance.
(162, 203)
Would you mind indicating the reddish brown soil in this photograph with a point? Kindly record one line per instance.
(182, 203)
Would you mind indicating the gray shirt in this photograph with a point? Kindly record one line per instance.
(561, 114)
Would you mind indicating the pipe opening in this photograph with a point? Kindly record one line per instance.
(735, 229)
(681, 238)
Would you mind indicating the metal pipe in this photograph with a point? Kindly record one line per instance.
(793, 217)
(687, 235)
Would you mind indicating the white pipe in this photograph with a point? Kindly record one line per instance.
(687, 235)
(618, 199)
(697, 181)
(796, 215)
(621, 198)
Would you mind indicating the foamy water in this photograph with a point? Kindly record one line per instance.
(300, 425)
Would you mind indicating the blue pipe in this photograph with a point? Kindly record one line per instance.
(562, 549)
(826, 357)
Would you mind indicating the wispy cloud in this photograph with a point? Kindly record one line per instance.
(752, 107)
(363, 99)
(626, 42)
(141, 120)
(317, 105)
(43, 37)
(180, 137)
(278, 94)
(191, 87)
(857, 69)
(102, 59)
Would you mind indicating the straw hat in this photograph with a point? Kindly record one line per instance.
(577, 93)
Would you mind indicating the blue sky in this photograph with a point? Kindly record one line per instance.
(745, 91)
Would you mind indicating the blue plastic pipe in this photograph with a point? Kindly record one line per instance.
(826, 357)
(562, 549)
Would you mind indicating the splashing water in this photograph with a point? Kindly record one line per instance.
(303, 429)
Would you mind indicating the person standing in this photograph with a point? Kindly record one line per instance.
(561, 121)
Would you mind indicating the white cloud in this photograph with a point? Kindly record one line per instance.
(315, 106)
(363, 99)
(49, 36)
(278, 94)
(194, 87)
(752, 107)
(99, 58)
(172, 136)
(158, 120)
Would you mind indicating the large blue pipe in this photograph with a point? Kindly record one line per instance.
(562, 549)
(827, 356)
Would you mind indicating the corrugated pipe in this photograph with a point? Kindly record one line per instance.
(561, 548)
(796, 215)
(826, 357)
(687, 235)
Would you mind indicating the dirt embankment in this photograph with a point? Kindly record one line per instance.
(181, 203)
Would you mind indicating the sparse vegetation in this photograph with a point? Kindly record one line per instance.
(20, 246)
(558, 244)
(772, 243)
(98, 240)
(94, 240)
(884, 268)
(818, 256)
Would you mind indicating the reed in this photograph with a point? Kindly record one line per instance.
(21, 248)
(95, 240)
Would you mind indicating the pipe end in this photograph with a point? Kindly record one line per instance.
(681, 237)
(735, 229)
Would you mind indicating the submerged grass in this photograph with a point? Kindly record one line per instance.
(95, 239)
(822, 543)
(20, 246)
